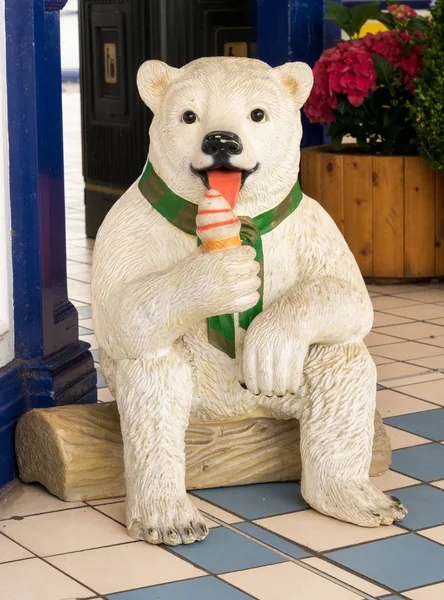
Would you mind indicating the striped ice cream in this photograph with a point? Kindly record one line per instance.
(217, 226)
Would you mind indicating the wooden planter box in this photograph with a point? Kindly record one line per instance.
(390, 209)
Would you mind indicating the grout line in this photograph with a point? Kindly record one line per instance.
(398, 428)
(130, 541)
(421, 374)
(49, 564)
(47, 512)
(289, 558)
(208, 574)
(397, 390)
(310, 551)
(247, 519)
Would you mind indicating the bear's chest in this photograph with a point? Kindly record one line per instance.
(282, 265)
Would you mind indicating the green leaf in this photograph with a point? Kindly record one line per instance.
(337, 10)
(387, 19)
(351, 20)
(384, 69)
(361, 14)
(388, 118)
(343, 105)
(417, 24)
(337, 141)
(341, 16)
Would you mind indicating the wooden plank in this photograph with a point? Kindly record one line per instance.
(358, 210)
(388, 216)
(332, 186)
(419, 218)
(311, 173)
(439, 224)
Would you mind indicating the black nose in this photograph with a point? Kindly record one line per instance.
(221, 143)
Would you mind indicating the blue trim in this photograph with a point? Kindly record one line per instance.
(54, 5)
(303, 35)
(52, 367)
(72, 75)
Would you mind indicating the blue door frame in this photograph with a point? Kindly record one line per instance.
(51, 366)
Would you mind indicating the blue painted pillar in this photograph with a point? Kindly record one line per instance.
(293, 30)
(51, 366)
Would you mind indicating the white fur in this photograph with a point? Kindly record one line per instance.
(152, 291)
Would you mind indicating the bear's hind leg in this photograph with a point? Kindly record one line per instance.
(154, 399)
(337, 429)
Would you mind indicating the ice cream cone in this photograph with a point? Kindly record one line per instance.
(217, 226)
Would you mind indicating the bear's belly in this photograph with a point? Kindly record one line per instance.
(218, 395)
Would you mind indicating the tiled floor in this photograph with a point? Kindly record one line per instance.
(264, 543)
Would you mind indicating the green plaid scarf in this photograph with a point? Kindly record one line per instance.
(182, 214)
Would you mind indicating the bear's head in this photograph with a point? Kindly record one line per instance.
(227, 114)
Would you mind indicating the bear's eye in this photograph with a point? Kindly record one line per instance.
(257, 115)
(189, 117)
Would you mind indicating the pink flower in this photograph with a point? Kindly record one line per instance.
(401, 11)
(396, 47)
(322, 100)
(346, 69)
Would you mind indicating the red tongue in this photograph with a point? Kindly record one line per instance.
(227, 183)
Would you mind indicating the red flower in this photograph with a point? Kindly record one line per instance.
(346, 69)
(396, 46)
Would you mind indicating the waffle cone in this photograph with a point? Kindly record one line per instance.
(230, 242)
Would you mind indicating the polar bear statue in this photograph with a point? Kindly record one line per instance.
(276, 324)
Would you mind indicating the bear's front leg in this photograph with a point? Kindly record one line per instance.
(274, 352)
(337, 430)
(323, 311)
(154, 399)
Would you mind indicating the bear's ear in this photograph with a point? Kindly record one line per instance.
(153, 78)
(297, 78)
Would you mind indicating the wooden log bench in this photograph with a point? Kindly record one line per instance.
(76, 452)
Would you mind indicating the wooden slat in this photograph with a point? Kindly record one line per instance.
(311, 173)
(358, 210)
(388, 216)
(419, 218)
(439, 224)
(332, 187)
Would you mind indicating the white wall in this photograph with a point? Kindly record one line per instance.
(6, 310)
(69, 36)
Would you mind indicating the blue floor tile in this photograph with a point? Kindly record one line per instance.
(429, 424)
(425, 505)
(389, 597)
(425, 463)
(400, 563)
(257, 501)
(95, 354)
(272, 540)
(204, 588)
(224, 551)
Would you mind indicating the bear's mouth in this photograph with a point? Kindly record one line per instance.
(203, 173)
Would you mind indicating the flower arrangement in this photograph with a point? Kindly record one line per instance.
(363, 86)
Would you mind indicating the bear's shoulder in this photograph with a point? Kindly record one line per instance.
(135, 233)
